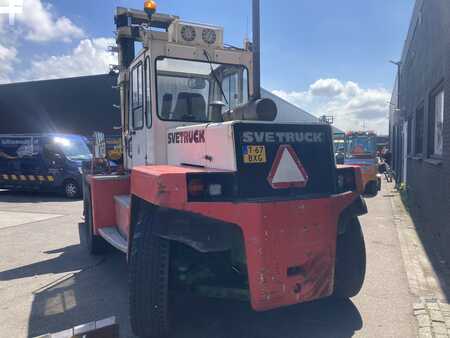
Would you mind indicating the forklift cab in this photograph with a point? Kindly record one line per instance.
(181, 77)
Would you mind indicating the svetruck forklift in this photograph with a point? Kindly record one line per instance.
(361, 151)
(216, 198)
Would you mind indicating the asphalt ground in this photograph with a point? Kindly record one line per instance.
(48, 283)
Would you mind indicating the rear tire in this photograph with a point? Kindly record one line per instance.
(350, 261)
(149, 281)
(96, 244)
(372, 188)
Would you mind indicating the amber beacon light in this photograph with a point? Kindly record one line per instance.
(150, 7)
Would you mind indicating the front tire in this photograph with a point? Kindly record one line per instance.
(71, 189)
(350, 261)
(149, 281)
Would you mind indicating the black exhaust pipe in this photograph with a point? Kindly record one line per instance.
(258, 109)
(256, 50)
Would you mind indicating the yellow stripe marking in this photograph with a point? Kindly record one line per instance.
(5, 177)
(22, 178)
(41, 178)
(50, 178)
(31, 178)
(14, 177)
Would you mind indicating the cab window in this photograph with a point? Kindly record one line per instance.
(137, 97)
(148, 97)
(233, 87)
(194, 91)
(52, 152)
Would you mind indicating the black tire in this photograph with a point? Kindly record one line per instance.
(149, 281)
(350, 261)
(96, 245)
(372, 188)
(71, 189)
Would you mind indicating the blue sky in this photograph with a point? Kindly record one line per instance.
(313, 52)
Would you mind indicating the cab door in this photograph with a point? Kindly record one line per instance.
(137, 144)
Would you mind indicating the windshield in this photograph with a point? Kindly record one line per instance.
(339, 146)
(73, 148)
(193, 91)
(360, 146)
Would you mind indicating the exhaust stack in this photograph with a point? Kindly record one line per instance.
(257, 109)
(256, 50)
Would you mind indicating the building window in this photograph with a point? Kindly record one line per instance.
(418, 131)
(436, 123)
(410, 136)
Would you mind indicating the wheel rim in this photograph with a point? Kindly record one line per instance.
(71, 190)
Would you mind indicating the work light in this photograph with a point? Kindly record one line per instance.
(150, 7)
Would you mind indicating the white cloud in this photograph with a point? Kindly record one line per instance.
(88, 58)
(41, 25)
(326, 88)
(7, 59)
(352, 106)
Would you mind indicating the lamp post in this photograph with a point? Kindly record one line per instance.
(398, 64)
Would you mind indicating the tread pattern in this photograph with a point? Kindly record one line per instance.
(148, 281)
(350, 261)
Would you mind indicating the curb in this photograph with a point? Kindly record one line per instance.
(431, 310)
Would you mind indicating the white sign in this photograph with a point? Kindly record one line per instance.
(287, 170)
(99, 145)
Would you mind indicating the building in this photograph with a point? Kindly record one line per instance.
(420, 118)
(79, 105)
(83, 105)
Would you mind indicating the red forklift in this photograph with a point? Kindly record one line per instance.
(215, 197)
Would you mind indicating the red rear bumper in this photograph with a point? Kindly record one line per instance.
(290, 246)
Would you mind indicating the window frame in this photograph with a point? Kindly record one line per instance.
(421, 109)
(410, 136)
(155, 77)
(140, 107)
(432, 121)
(148, 92)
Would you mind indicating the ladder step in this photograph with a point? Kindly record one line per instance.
(124, 200)
(113, 237)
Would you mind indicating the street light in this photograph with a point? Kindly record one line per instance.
(397, 63)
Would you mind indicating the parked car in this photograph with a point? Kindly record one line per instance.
(43, 162)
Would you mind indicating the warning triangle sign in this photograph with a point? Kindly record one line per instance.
(287, 170)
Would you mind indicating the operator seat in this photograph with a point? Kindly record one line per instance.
(190, 107)
(166, 106)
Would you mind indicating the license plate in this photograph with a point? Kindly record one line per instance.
(254, 154)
